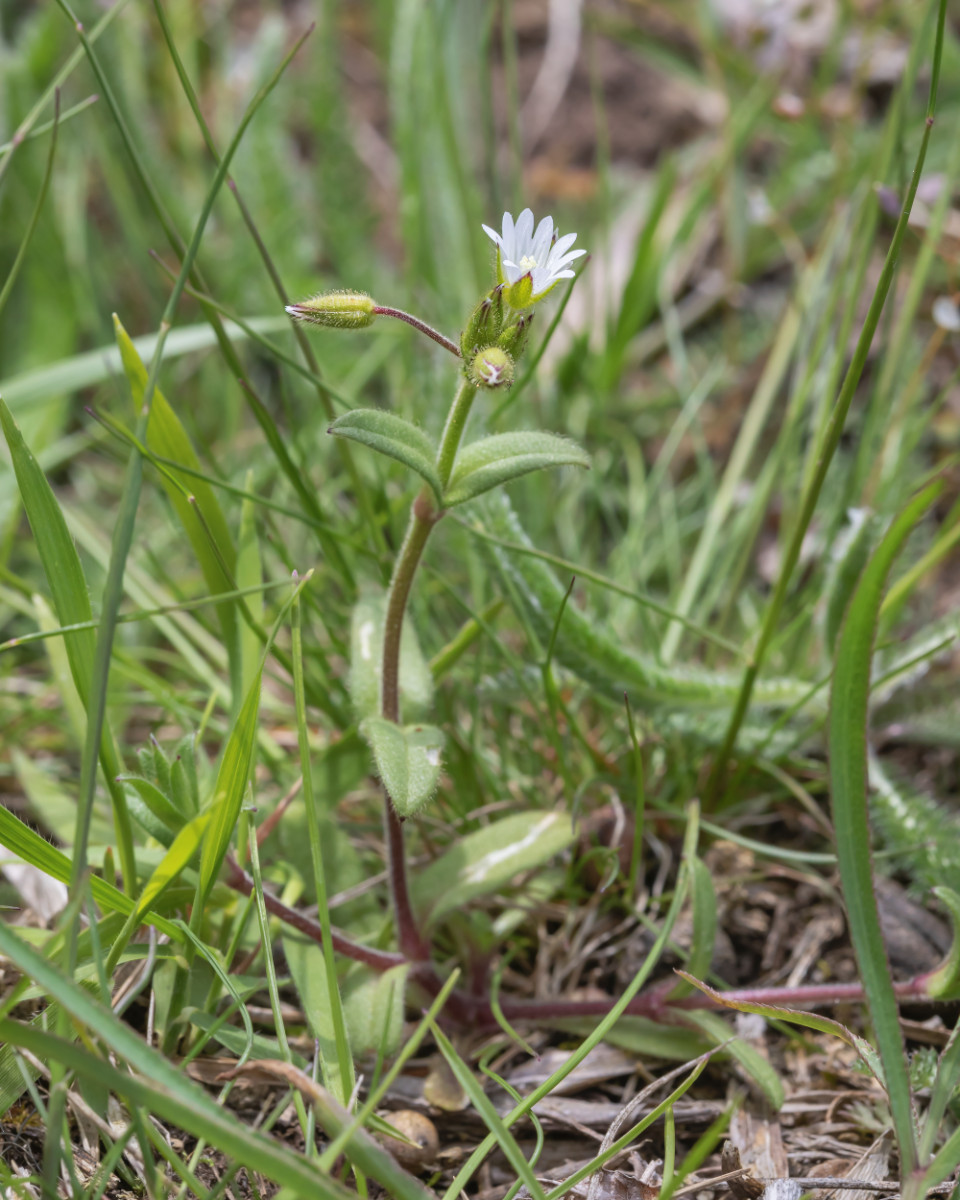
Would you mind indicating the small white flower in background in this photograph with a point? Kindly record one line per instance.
(530, 262)
(946, 314)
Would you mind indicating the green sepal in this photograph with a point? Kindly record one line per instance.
(408, 759)
(506, 456)
(519, 295)
(485, 324)
(391, 435)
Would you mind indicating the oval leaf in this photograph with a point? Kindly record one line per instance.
(506, 456)
(487, 860)
(408, 760)
(391, 435)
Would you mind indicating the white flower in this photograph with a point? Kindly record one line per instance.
(530, 262)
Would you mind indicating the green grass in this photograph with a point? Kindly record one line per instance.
(756, 455)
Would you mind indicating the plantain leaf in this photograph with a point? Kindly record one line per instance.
(506, 456)
(408, 760)
(485, 861)
(391, 435)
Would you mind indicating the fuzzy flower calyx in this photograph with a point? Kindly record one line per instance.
(485, 323)
(337, 310)
(491, 368)
(531, 261)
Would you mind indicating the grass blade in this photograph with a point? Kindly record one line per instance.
(848, 777)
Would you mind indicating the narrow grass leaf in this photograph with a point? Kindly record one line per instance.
(166, 437)
(68, 586)
(481, 1102)
(161, 1089)
(849, 702)
(36, 850)
(229, 790)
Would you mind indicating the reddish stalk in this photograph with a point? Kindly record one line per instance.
(441, 340)
(379, 960)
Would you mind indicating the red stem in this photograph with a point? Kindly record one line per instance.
(379, 960)
(383, 311)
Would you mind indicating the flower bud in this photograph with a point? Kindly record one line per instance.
(485, 323)
(338, 310)
(491, 368)
(513, 339)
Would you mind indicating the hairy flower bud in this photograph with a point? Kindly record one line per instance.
(338, 310)
(513, 339)
(491, 368)
(485, 323)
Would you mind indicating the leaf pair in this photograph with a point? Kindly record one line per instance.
(483, 465)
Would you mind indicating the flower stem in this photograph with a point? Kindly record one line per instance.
(453, 431)
(441, 340)
(423, 516)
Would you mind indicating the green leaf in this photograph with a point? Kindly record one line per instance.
(808, 1020)
(194, 500)
(374, 1008)
(849, 701)
(68, 375)
(944, 982)
(309, 972)
(65, 578)
(749, 1057)
(366, 661)
(37, 851)
(182, 849)
(505, 456)
(391, 435)
(230, 787)
(485, 861)
(489, 1115)
(408, 759)
(157, 803)
(158, 1086)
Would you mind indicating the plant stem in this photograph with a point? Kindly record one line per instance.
(423, 516)
(379, 960)
(453, 430)
(441, 340)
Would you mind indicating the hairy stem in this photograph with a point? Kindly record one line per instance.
(379, 960)
(423, 516)
(441, 340)
(453, 430)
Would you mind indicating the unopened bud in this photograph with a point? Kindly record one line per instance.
(485, 323)
(491, 368)
(338, 310)
(513, 339)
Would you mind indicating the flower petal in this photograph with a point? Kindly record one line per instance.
(562, 244)
(540, 251)
(524, 232)
(493, 235)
